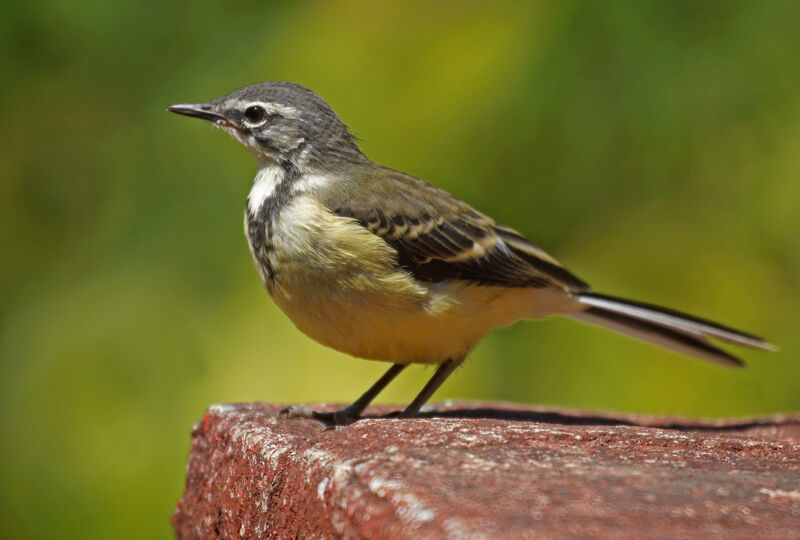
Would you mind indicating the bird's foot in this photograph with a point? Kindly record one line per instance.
(330, 419)
(411, 412)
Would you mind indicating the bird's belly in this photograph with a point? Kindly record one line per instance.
(434, 323)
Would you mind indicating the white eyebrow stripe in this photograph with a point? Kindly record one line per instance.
(271, 108)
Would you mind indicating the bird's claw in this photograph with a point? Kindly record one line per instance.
(331, 420)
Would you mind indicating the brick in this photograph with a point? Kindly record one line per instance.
(490, 470)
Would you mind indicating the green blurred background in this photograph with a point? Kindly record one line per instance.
(654, 147)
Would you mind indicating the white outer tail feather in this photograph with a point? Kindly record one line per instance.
(667, 328)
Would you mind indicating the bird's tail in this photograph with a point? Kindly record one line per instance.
(665, 327)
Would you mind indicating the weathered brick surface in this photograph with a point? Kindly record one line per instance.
(489, 471)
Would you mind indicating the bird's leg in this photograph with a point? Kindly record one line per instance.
(353, 412)
(442, 372)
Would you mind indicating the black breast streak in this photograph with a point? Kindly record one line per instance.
(261, 224)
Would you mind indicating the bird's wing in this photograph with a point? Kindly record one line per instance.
(440, 238)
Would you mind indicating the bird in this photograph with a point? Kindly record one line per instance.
(381, 265)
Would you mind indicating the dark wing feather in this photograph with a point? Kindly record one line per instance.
(440, 238)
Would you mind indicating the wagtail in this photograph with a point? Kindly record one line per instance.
(376, 263)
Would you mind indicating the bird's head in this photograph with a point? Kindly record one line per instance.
(280, 123)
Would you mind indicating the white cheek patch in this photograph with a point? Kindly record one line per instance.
(236, 134)
(248, 141)
(266, 182)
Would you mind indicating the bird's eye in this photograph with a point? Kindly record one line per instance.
(255, 114)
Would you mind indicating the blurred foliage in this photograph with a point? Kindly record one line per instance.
(652, 146)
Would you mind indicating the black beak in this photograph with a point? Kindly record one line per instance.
(197, 110)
